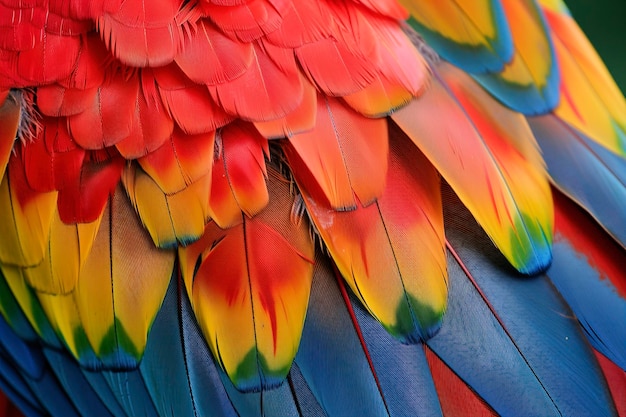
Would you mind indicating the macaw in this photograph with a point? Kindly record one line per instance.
(296, 207)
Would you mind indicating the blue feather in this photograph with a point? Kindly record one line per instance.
(522, 350)
(592, 175)
(74, 383)
(14, 385)
(587, 286)
(130, 390)
(181, 375)
(29, 359)
(330, 356)
(100, 386)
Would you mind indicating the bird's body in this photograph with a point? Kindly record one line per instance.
(294, 207)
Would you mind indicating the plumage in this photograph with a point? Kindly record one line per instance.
(293, 207)
(345, 154)
(473, 35)
(529, 83)
(373, 245)
(505, 165)
(590, 100)
(238, 278)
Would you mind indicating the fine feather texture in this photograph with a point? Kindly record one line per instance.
(66, 253)
(569, 155)
(10, 113)
(24, 240)
(114, 324)
(505, 155)
(239, 277)
(529, 83)
(346, 154)
(597, 291)
(234, 207)
(474, 35)
(530, 324)
(590, 100)
(170, 219)
(373, 245)
(239, 175)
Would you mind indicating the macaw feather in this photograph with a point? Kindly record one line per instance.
(506, 164)
(372, 248)
(392, 86)
(569, 155)
(529, 83)
(25, 218)
(589, 275)
(109, 118)
(120, 289)
(24, 296)
(52, 161)
(303, 22)
(69, 375)
(151, 125)
(302, 119)
(389, 8)
(142, 33)
(184, 100)
(247, 21)
(84, 199)
(56, 100)
(524, 322)
(239, 175)
(256, 277)
(180, 161)
(168, 168)
(171, 219)
(12, 312)
(590, 100)
(329, 319)
(474, 35)
(224, 59)
(192, 380)
(49, 59)
(616, 378)
(66, 253)
(86, 10)
(345, 155)
(455, 396)
(273, 84)
(349, 55)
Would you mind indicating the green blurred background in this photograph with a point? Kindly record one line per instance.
(604, 22)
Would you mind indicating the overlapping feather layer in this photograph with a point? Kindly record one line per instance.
(218, 138)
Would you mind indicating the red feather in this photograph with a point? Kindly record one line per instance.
(456, 398)
(272, 84)
(83, 200)
(110, 115)
(185, 100)
(239, 175)
(247, 21)
(223, 58)
(143, 32)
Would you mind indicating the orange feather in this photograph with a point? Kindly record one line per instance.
(239, 174)
(180, 161)
(346, 154)
(254, 277)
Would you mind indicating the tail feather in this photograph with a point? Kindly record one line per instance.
(69, 376)
(588, 270)
(330, 353)
(521, 325)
